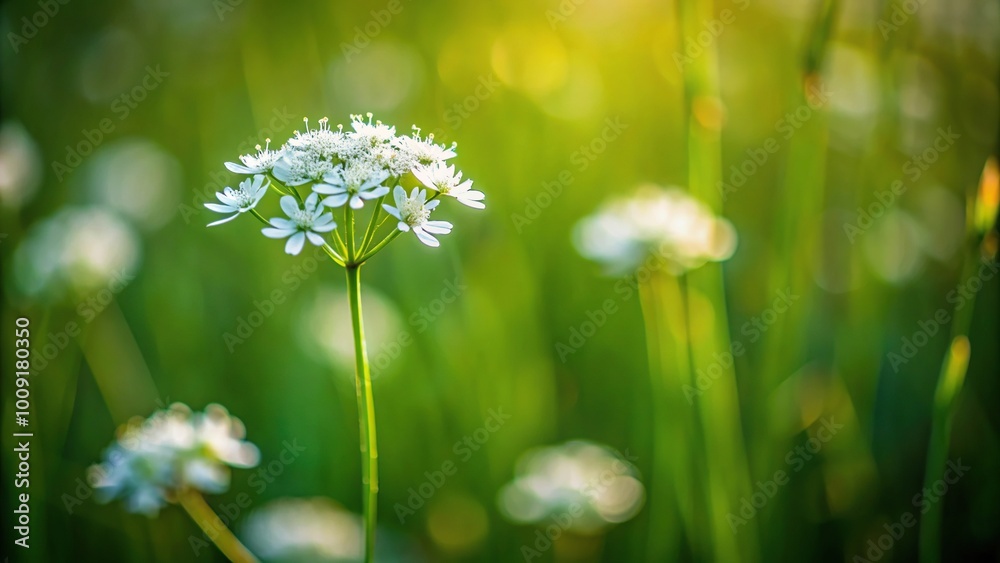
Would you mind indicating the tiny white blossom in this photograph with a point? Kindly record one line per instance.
(302, 223)
(240, 201)
(324, 142)
(354, 182)
(414, 212)
(174, 449)
(371, 134)
(423, 150)
(445, 180)
(263, 161)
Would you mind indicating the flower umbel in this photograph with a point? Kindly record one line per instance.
(302, 223)
(239, 201)
(155, 459)
(414, 212)
(263, 161)
(355, 183)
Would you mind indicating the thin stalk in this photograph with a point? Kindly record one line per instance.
(372, 225)
(349, 233)
(949, 385)
(389, 238)
(337, 258)
(214, 529)
(261, 217)
(366, 412)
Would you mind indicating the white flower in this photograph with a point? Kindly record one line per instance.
(589, 478)
(302, 223)
(324, 142)
(263, 161)
(665, 222)
(423, 150)
(368, 134)
(353, 182)
(315, 529)
(241, 200)
(172, 450)
(445, 180)
(413, 212)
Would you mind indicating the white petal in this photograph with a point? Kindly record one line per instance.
(218, 208)
(271, 232)
(438, 227)
(391, 210)
(376, 193)
(399, 194)
(283, 223)
(289, 205)
(425, 237)
(238, 168)
(221, 221)
(356, 202)
(327, 189)
(295, 244)
(336, 200)
(315, 238)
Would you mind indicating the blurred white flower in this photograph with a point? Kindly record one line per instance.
(662, 221)
(263, 161)
(241, 200)
(414, 213)
(155, 458)
(20, 165)
(354, 182)
(577, 477)
(314, 529)
(75, 251)
(444, 180)
(307, 222)
(136, 178)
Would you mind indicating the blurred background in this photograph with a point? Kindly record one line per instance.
(117, 117)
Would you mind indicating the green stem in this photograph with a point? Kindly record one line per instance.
(214, 528)
(349, 233)
(949, 385)
(337, 258)
(372, 225)
(366, 412)
(379, 246)
(261, 217)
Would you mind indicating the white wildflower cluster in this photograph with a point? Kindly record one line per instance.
(348, 168)
(175, 449)
(581, 485)
(666, 222)
(305, 529)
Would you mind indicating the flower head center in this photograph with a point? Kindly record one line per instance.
(414, 212)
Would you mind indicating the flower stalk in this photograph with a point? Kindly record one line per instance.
(214, 528)
(366, 412)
